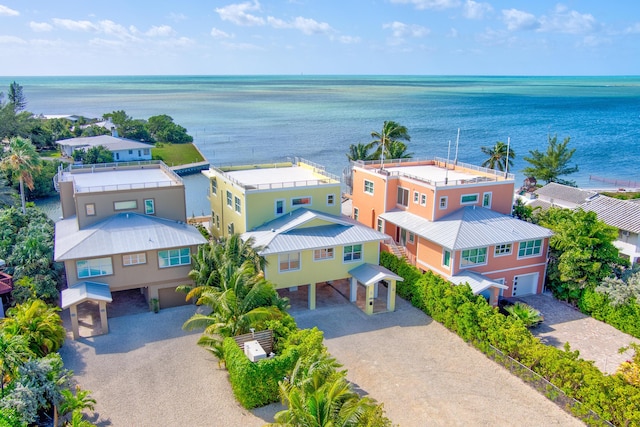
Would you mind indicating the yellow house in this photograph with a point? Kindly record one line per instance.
(245, 197)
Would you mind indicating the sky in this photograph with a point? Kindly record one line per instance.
(292, 37)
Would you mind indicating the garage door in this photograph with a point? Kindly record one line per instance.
(170, 298)
(525, 284)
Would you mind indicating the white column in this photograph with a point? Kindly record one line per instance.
(391, 296)
(312, 296)
(354, 290)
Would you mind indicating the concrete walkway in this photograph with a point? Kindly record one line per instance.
(594, 339)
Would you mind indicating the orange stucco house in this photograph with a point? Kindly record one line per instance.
(455, 220)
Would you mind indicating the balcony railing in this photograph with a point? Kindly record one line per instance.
(6, 283)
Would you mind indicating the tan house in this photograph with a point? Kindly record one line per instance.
(124, 227)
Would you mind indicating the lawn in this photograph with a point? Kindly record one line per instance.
(50, 153)
(176, 154)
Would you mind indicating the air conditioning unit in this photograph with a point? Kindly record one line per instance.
(254, 351)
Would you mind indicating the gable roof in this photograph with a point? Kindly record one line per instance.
(476, 281)
(560, 192)
(119, 234)
(111, 142)
(622, 214)
(469, 227)
(286, 234)
(85, 291)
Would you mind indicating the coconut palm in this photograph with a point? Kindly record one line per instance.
(21, 162)
(391, 132)
(529, 315)
(360, 151)
(39, 323)
(498, 156)
(397, 150)
(14, 350)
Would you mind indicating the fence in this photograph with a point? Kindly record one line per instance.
(265, 338)
(550, 390)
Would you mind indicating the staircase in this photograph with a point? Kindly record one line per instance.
(398, 251)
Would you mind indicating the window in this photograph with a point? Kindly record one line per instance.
(486, 200)
(446, 258)
(356, 213)
(174, 257)
(128, 205)
(279, 207)
(473, 257)
(368, 186)
(423, 199)
(134, 259)
(412, 237)
(530, 248)
(381, 225)
(146, 151)
(443, 202)
(214, 187)
(289, 262)
(229, 199)
(503, 249)
(90, 209)
(300, 201)
(322, 254)
(94, 267)
(238, 205)
(130, 151)
(230, 229)
(139, 153)
(468, 199)
(352, 253)
(149, 206)
(218, 221)
(416, 197)
(403, 196)
(117, 156)
(331, 199)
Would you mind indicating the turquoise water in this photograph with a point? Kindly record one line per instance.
(240, 119)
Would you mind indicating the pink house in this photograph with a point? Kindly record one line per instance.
(453, 219)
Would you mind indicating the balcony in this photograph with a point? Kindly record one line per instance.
(6, 283)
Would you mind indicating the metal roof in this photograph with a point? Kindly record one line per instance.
(559, 193)
(622, 214)
(119, 234)
(469, 227)
(111, 142)
(85, 291)
(368, 274)
(285, 234)
(476, 281)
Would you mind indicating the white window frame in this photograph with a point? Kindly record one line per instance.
(405, 192)
(149, 206)
(287, 258)
(368, 187)
(103, 266)
(275, 206)
(90, 209)
(465, 262)
(353, 254)
(380, 225)
(533, 254)
(134, 259)
(444, 258)
(230, 229)
(443, 206)
(356, 213)
(214, 187)
(473, 202)
(125, 205)
(412, 237)
(503, 250)
(423, 199)
(229, 199)
(182, 256)
(324, 254)
(307, 199)
(237, 204)
(416, 197)
(487, 198)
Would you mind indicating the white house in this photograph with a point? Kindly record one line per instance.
(124, 150)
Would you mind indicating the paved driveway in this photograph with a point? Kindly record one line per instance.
(594, 339)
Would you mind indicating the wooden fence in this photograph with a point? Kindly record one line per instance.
(264, 338)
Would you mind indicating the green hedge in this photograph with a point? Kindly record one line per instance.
(474, 320)
(625, 318)
(256, 384)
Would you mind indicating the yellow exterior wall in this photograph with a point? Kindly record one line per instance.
(318, 271)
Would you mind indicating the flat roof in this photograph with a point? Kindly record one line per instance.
(107, 180)
(434, 173)
(280, 175)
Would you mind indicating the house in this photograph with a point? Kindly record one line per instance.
(562, 196)
(123, 227)
(292, 210)
(124, 150)
(453, 219)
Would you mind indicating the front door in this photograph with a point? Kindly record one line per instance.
(403, 237)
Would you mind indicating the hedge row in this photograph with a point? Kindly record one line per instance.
(625, 318)
(474, 320)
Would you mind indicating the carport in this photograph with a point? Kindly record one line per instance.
(370, 276)
(82, 292)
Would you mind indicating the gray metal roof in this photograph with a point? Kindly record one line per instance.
(285, 234)
(622, 214)
(111, 142)
(119, 234)
(560, 192)
(469, 227)
(476, 281)
(368, 274)
(85, 291)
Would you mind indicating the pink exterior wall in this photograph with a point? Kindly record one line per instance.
(501, 197)
(369, 205)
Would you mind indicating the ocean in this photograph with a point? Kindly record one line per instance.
(246, 119)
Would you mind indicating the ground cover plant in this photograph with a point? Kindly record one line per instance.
(176, 154)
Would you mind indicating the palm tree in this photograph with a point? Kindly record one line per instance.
(391, 132)
(360, 151)
(21, 162)
(39, 323)
(397, 150)
(498, 156)
(551, 164)
(75, 404)
(14, 350)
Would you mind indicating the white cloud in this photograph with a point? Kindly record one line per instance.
(40, 27)
(160, 31)
(11, 40)
(219, 34)
(593, 41)
(307, 26)
(634, 29)
(453, 33)
(475, 10)
(70, 24)
(241, 46)
(563, 20)
(348, 39)
(400, 29)
(177, 42)
(237, 13)
(430, 4)
(519, 20)
(5, 11)
(177, 17)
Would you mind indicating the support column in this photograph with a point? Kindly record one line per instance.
(73, 312)
(391, 296)
(103, 317)
(375, 290)
(493, 298)
(353, 294)
(369, 300)
(312, 296)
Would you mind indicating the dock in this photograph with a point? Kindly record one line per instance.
(190, 168)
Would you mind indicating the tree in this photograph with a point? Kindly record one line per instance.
(22, 162)
(118, 118)
(14, 351)
(97, 154)
(39, 323)
(74, 404)
(549, 166)
(16, 97)
(360, 151)
(498, 156)
(397, 150)
(391, 132)
(162, 128)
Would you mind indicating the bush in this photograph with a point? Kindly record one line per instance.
(625, 318)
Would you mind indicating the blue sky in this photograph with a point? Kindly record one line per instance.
(441, 37)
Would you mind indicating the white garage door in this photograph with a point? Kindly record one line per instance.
(525, 284)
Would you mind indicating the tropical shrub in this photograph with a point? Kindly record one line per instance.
(624, 317)
(39, 323)
(529, 316)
